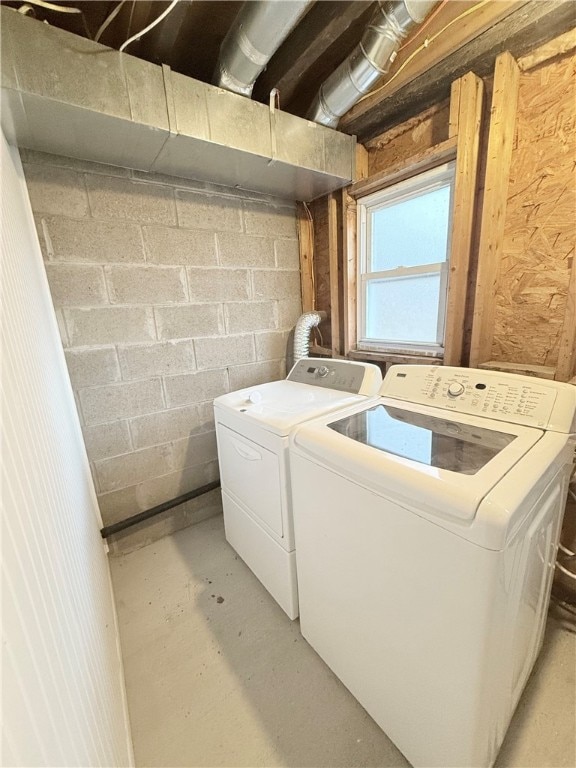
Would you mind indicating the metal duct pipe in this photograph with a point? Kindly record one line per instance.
(258, 31)
(302, 332)
(370, 60)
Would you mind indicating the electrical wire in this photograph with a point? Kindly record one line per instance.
(53, 7)
(108, 20)
(423, 26)
(150, 26)
(427, 42)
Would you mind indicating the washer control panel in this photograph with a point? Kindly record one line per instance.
(343, 375)
(501, 396)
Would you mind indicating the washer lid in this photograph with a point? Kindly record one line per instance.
(420, 455)
(278, 406)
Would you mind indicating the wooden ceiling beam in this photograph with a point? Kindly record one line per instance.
(529, 25)
(322, 26)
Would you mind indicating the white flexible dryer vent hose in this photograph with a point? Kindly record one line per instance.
(302, 332)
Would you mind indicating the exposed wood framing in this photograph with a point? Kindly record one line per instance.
(306, 243)
(335, 272)
(470, 45)
(453, 118)
(566, 367)
(541, 371)
(501, 138)
(349, 272)
(468, 93)
(423, 161)
(361, 163)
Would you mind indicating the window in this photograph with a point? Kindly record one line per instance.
(403, 264)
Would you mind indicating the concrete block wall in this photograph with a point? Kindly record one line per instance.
(168, 292)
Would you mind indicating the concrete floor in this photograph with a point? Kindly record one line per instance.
(217, 675)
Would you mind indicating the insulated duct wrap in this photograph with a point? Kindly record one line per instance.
(302, 332)
(257, 33)
(370, 60)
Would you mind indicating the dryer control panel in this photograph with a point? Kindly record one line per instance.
(343, 375)
(501, 396)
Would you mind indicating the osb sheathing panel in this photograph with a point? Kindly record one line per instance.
(540, 219)
(409, 138)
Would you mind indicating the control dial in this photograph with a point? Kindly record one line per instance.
(455, 389)
(323, 371)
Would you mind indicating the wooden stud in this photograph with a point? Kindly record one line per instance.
(541, 371)
(349, 272)
(469, 118)
(566, 367)
(454, 108)
(500, 141)
(306, 243)
(361, 162)
(334, 273)
(423, 161)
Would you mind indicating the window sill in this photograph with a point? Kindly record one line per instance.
(394, 358)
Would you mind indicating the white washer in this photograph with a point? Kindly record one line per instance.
(252, 428)
(426, 527)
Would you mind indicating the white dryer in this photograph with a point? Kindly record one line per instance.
(426, 528)
(252, 428)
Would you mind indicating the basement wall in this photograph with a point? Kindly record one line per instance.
(168, 293)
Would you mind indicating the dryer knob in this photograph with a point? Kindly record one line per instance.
(255, 397)
(323, 371)
(455, 389)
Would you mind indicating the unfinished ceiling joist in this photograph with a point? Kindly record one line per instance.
(517, 27)
(66, 95)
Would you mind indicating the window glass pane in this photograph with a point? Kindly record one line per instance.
(403, 309)
(411, 232)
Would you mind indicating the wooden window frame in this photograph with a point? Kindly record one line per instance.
(462, 146)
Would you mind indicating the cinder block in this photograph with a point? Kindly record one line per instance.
(195, 387)
(76, 285)
(132, 468)
(206, 416)
(121, 401)
(56, 190)
(287, 254)
(271, 346)
(175, 519)
(142, 361)
(195, 449)
(89, 240)
(199, 211)
(225, 351)
(269, 220)
(242, 376)
(249, 316)
(245, 251)
(107, 325)
(146, 285)
(189, 321)
(218, 284)
(186, 247)
(119, 505)
(288, 312)
(114, 198)
(106, 440)
(164, 427)
(88, 367)
(275, 284)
